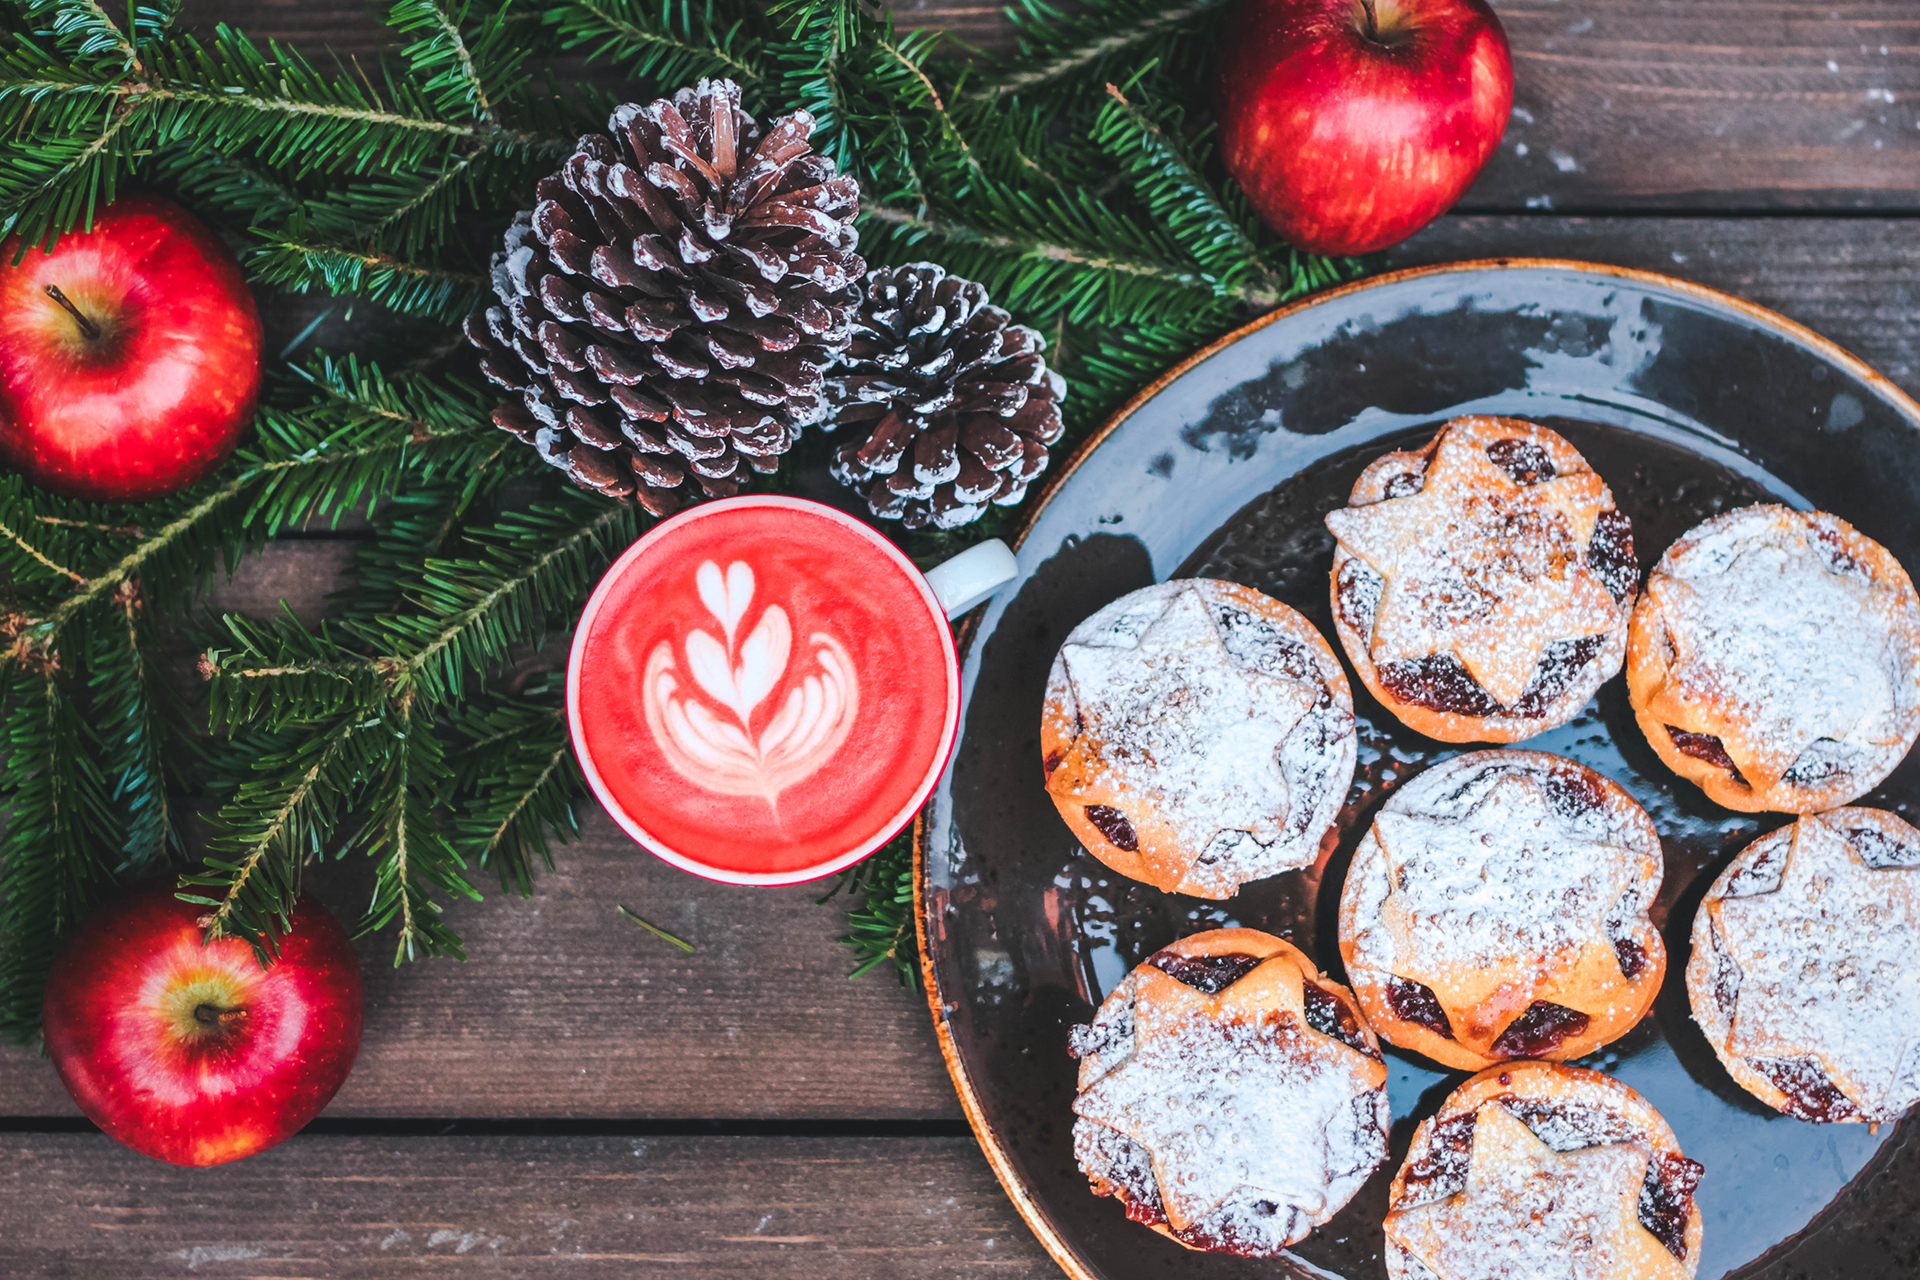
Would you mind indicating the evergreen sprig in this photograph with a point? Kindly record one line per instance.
(418, 724)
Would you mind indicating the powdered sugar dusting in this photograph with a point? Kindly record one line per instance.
(1530, 1213)
(1480, 567)
(1214, 719)
(1254, 1129)
(1785, 648)
(1826, 964)
(1486, 861)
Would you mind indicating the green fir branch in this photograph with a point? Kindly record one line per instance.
(412, 288)
(880, 911)
(469, 612)
(303, 781)
(135, 711)
(1065, 54)
(54, 850)
(666, 42)
(516, 783)
(412, 855)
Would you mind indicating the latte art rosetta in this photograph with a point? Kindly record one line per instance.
(711, 741)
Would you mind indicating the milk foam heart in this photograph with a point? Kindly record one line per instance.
(725, 753)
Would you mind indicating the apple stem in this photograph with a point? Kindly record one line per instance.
(1373, 24)
(211, 1015)
(92, 331)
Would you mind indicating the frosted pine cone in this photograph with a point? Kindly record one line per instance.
(669, 307)
(949, 407)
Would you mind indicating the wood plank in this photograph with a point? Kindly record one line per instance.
(565, 1009)
(1723, 104)
(1853, 280)
(364, 1208)
(354, 1207)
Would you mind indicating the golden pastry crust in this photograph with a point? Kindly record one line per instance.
(1800, 974)
(1572, 1113)
(1230, 1095)
(1504, 897)
(1482, 584)
(1197, 735)
(1774, 660)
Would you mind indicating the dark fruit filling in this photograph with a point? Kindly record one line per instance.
(1560, 662)
(1879, 850)
(1610, 554)
(1633, 958)
(1359, 592)
(1405, 483)
(1439, 683)
(1211, 974)
(1813, 768)
(1415, 1002)
(1328, 1014)
(1524, 460)
(1666, 1199)
(1113, 824)
(1704, 746)
(1833, 550)
(1442, 1171)
(1052, 762)
(1574, 792)
(1666, 1196)
(1810, 1094)
(1539, 1030)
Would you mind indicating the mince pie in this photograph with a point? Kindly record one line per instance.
(1775, 660)
(1803, 973)
(1498, 909)
(1198, 735)
(1230, 1095)
(1482, 584)
(1537, 1171)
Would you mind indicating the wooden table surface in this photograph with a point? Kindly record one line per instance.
(580, 1099)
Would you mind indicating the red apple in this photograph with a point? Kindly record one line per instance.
(129, 356)
(192, 1053)
(1354, 123)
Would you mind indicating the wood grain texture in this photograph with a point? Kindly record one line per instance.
(362, 1208)
(1722, 104)
(563, 1009)
(1853, 280)
(373, 1208)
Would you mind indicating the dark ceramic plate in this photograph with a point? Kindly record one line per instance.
(1687, 402)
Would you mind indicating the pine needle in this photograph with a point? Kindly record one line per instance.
(655, 930)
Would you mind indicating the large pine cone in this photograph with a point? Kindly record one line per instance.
(670, 305)
(951, 407)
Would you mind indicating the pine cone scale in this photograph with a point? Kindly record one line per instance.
(934, 373)
(670, 306)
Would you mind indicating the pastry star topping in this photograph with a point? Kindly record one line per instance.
(1481, 567)
(1234, 1096)
(1827, 967)
(1485, 905)
(1181, 732)
(1531, 1213)
(1773, 651)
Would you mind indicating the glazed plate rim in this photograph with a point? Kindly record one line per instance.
(1750, 313)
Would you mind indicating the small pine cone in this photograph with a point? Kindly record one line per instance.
(949, 406)
(669, 308)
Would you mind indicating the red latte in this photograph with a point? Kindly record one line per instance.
(762, 690)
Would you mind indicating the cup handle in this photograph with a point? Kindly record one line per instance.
(963, 581)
